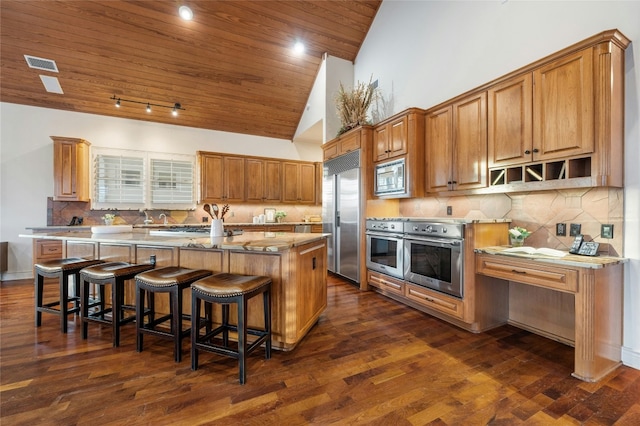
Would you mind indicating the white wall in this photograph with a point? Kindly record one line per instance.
(26, 160)
(320, 122)
(426, 52)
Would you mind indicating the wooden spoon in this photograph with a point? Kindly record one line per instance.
(207, 208)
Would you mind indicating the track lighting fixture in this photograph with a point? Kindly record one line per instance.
(174, 108)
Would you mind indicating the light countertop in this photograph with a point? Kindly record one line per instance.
(253, 241)
(594, 262)
(238, 225)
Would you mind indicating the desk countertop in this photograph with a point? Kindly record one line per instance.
(593, 262)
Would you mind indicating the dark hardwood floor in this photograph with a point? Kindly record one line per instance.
(369, 360)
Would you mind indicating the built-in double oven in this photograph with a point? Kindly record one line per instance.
(428, 253)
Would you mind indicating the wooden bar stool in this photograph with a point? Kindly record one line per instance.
(61, 269)
(225, 289)
(116, 274)
(172, 280)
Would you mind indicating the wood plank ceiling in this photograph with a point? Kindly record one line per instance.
(231, 68)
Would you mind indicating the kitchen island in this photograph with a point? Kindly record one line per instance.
(296, 263)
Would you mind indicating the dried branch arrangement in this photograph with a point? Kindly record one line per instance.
(353, 105)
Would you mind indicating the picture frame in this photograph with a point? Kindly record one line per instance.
(270, 215)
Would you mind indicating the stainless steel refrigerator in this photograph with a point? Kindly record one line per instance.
(341, 214)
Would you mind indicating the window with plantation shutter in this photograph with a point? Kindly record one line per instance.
(128, 179)
(119, 180)
(171, 182)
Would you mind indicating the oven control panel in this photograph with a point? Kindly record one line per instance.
(442, 230)
(384, 226)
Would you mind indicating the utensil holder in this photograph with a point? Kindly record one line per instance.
(217, 228)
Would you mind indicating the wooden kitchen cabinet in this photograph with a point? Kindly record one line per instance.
(385, 284)
(263, 180)
(70, 169)
(544, 114)
(237, 178)
(222, 178)
(402, 137)
(510, 124)
(46, 250)
(343, 144)
(390, 139)
(586, 303)
(559, 122)
(563, 121)
(450, 306)
(456, 140)
(299, 182)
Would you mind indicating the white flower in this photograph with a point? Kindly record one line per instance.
(515, 232)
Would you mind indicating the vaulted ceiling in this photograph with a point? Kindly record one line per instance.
(232, 67)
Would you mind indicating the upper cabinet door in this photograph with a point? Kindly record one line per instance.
(221, 178)
(263, 180)
(211, 173)
(470, 143)
(563, 107)
(71, 169)
(510, 127)
(390, 139)
(439, 135)
(299, 183)
(233, 179)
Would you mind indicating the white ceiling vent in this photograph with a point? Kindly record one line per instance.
(41, 63)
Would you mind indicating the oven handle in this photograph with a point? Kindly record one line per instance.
(439, 241)
(384, 235)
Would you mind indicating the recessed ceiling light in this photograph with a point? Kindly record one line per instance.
(185, 13)
(298, 47)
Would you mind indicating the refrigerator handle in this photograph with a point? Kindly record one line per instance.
(337, 218)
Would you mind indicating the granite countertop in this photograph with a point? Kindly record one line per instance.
(86, 228)
(253, 241)
(593, 262)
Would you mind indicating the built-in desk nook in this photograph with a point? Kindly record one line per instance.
(574, 299)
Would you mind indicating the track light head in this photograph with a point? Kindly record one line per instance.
(148, 107)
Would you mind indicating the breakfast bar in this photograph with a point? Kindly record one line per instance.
(296, 263)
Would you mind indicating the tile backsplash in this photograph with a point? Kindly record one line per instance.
(61, 213)
(538, 212)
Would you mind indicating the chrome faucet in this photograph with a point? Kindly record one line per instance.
(147, 218)
(162, 215)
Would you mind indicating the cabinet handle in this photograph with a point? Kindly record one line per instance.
(515, 271)
(536, 150)
(527, 152)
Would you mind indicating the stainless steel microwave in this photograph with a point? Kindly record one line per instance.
(390, 178)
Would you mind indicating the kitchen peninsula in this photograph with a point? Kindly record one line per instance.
(296, 263)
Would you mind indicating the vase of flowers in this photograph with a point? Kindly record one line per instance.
(517, 235)
(108, 219)
(279, 215)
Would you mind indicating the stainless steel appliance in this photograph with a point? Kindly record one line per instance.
(385, 251)
(341, 203)
(390, 178)
(433, 254)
